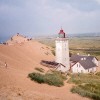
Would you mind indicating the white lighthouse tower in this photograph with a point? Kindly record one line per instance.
(62, 51)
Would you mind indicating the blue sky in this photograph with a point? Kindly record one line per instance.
(45, 17)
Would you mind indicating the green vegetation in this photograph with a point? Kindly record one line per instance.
(54, 78)
(85, 45)
(87, 85)
(39, 69)
(84, 79)
(88, 90)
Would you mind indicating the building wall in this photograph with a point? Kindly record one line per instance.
(62, 68)
(77, 68)
(62, 52)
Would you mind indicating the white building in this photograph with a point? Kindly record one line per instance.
(62, 51)
(83, 64)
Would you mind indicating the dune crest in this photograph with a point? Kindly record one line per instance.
(18, 38)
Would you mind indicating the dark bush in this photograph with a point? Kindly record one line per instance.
(37, 77)
(54, 78)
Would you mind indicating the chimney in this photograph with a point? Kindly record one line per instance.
(82, 58)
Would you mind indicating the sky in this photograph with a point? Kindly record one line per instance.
(46, 17)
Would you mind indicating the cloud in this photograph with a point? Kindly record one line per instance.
(98, 1)
(35, 17)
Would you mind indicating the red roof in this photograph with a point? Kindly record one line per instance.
(61, 32)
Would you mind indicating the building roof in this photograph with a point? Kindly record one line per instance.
(52, 64)
(61, 34)
(87, 64)
(77, 58)
(84, 60)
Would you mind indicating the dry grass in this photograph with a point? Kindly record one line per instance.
(88, 85)
(39, 69)
(82, 45)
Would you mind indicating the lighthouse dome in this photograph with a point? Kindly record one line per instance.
(61, 34)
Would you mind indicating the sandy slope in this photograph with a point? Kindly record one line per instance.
(21, 60)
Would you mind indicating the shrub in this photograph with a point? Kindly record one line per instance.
(39, 69)
(37, 77)
(88, 90)
(54, 78)
(59, 74)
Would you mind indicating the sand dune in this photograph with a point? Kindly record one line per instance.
(21, 59)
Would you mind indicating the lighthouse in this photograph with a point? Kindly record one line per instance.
(62, 51)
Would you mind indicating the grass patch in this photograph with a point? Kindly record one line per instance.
(84, 78)
(54, 78)
(88, 90)
(88, 85)
(39, 69)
